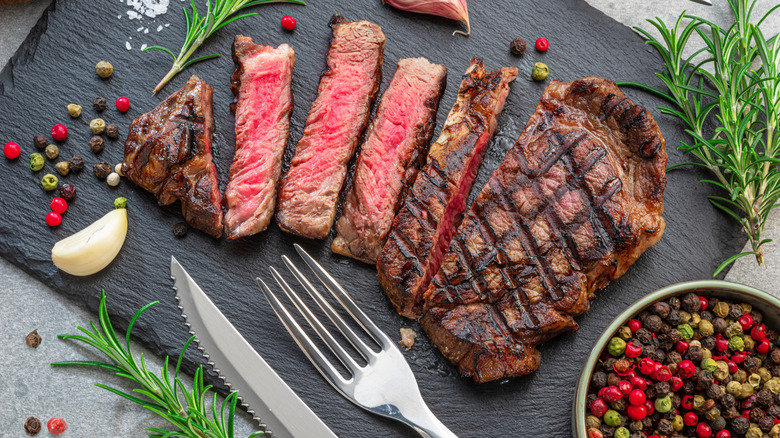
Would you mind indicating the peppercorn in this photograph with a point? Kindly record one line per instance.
(706, 328)
(663, 404)
(33, 339)
(690, 302)
(684, 317)
(36, 162)
(63, 168)
(714, 392)
(754, 432)
(653, 323)
(74, 110)
(712, 414)
(695, 319)
(740, 376)
(749, 343)
(32, 426)
(612, 418)
(622, 432)
(616, 346)
(674, 318)
(102, 169)
(40, 142)
(104, 69)
(517, 46)
(719, 325)
(593, 421)
(96, 144)
(677, 423)
(99, 103)
(709, 364)
(52, 151)
(694, 352)
(618, 405)
(728, 400)
(76, 163)
(599, 380)
(698, 402)
(706, 315)
(735, 312)
(740, 425)
(721, 309)
(540, 71)
(49, 182)
(736, 343)
(750, 364)
(180, 230)
(773, 385)
(661, 309)
(773, 411)
(112, 131)
(734, 388)
(719, 424)
(766, 424)
(747, 390)
(113, 179)
(120, 202)
(764, 397)
(612, 378)
(686, 331)
(757, 316)
(118, 169)
(97, 126)
(68, 192)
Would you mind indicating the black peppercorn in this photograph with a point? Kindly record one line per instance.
(662, 389)
(517, 46)
(665, 427)
(68, 192)
(765, 424)
(706, 315)
(644, 336)
(33, 339)
(102, 169)
(99, 104)
(619, 405)
(40, 143)
(750, 364)
(773, 411)
(719, 325)
(708, 342)
(690, 302)
(653, 323)
(661, 309)
(764, 397)
(730, 413)
(756, 414)
(659, 356)
(694, 353)
(673, 357)
(740, 425)
(735, 312)
(180, 230)
(96, 144)
(775, 371)
(76, 163)
(599, 380)
(674, 318)
(728, 401)
(718, 424)
(674, 303)
(112, 131)
(607, 431)
(758, 318)
(714, 392)
(774, 356)
(688, 387)
(32, 426)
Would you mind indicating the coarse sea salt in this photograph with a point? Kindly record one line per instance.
(148, 8)
(127, 44)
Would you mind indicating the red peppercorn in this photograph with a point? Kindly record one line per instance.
(288, 23)
(123, 104)
(634, 325)
(632, 350)
(723, 434)
(721, 344)
(662, 374)
(732, 367)
(685, 369)
(654, 436)
(746, 321)
(53, 219)
(12, 150)
(625, 387)
(747, 404)
(646, 366)
(687, 402)
(59, 132)
(612, 394)
(758, 332)
(599, 407)
(738, 357)
(59, 205)
(636, 413)
(690, 418)
(677, 383)
(56, 426)
(681, 346)
(542, 44)
(763, 347)
(704, 303)
(638, 383)
(637, 397)
(650, 407)
(703, 430)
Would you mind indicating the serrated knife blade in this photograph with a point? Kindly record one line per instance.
(261, 390)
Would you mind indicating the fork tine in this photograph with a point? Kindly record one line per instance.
(331, 313)
(335, 288)
(302, 339)
(315, 323)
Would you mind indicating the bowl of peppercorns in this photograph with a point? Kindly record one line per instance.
(696, 359)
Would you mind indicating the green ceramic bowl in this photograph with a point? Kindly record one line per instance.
(767, 304)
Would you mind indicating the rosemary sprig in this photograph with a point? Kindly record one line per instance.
(738, 82)
(166, 396)
(219, 13)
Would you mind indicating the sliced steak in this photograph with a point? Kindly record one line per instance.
(262, 84)
(168, 152)
(394, 150)
(576, 201)
(310, 190)
(422, 229)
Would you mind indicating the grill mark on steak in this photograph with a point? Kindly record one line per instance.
(262, 85)
(168, 153)
(394, 150)
(572, 206)
(309, 192)
(423, 227)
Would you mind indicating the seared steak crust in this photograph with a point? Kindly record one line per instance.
(168, 152)
(576, 201)
(262, 84)
(395, 148)
(422, 229)
(309, 192)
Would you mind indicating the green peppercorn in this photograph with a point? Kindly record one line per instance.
(706, 354)
(49, 182)
(74, 110)
(754, 380)
(706, 329)
(625, 333)
(721, 309)
(773, 385)
(663, 404)
(104, 69)
(754, 432)
(747, 390)
(120, 202)
(97, 126)
(734, 329)
(593, 421)
(52, 151)
(764, 374)
(63, 168)
(684, 317)
(740, 376)
(746, 308)
(612, 418)
(677, 423)
(616, 346)
(622, 432)
(734, 388)
(540, 71)
(698, 401)
(686, 331)
(736, 343)
(709, 364)
(36, 162)
(695, 320)
(749, 343)
(712, 415)
(722, 371)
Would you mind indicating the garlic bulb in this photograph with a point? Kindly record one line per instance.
(453, 9)
(93, 248)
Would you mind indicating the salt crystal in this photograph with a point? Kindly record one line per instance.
(143, 47)
(139, 29)
(119, 17)
(159, 28)
(146, 30)
(127, 44)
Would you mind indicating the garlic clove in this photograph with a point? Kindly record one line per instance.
(93, 248)
(453, 9)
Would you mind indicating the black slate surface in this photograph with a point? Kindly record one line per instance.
(55, 67)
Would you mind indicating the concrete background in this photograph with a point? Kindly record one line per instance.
(31, 387)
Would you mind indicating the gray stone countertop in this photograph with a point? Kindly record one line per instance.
(45, 392)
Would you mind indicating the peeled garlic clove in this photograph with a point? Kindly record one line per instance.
(93, 248)
(453, 9)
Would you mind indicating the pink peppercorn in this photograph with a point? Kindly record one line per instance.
(685, 369)
(681, 346)
(625, 387)
(723, 434)
(634, 325)
(12, 150)
(599, 407)
(636, 413)
(703, 430)
(638, 383)
(704, 303)
(632, 350)
(758, 332)
(690, 419)
(746, 321)
(763, 347)
(612, 394)
(59, 132)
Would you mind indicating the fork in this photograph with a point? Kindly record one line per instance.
(385, 385)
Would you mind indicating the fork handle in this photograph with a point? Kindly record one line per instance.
(426, 424)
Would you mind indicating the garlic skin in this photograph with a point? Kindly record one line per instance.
(93, 248)
(453, 9)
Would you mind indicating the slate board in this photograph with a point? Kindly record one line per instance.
(55, 67)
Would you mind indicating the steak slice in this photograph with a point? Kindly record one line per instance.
(262, 84)
(394, 150)
(310, 190)
(422, 229)
(168, 153)
(576, 201)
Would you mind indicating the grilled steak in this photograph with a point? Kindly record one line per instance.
(394, 150)
(576, 201)
(168, 152)
(422, 229)
(310, 190)
(262, 84)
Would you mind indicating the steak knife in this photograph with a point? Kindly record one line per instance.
(261, 390)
